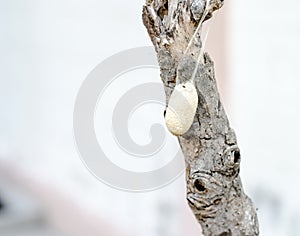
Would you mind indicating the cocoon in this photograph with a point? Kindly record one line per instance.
(182, 108)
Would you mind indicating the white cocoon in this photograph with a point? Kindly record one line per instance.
(182, 108)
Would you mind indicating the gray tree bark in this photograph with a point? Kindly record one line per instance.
(214, 188)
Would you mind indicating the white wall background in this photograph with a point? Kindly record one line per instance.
(264, 53)
(48, 48)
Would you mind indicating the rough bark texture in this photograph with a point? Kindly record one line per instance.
(214, 188)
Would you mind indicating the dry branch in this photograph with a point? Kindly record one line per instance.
(214, 188)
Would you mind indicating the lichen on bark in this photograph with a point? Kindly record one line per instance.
(214, 189)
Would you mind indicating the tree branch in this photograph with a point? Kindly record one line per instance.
(214, 188)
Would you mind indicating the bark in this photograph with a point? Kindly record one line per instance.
(214, 188)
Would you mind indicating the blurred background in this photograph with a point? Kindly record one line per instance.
(47, 50)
